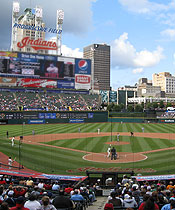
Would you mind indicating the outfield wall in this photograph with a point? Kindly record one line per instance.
(140, 120)
(41, 117)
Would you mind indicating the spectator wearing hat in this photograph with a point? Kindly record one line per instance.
(149, 190)
(55, 186)
(108, 206)
(68, 189)
(19, 204)
(129, 201)
(76, 196)
(10, 200)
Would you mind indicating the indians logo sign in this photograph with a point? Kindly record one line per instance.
(38, 44)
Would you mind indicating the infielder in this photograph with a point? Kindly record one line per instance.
(109, 151)
(13, 141)
(118, 137)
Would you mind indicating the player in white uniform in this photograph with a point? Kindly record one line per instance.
(118, 137)
(10, 162)
(13, 141)
(109, 151)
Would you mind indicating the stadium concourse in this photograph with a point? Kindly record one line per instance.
(50, 101)
(34, 193)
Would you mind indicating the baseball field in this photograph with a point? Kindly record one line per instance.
(74, 148)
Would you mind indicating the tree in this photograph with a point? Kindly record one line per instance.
(169, 104)
(155, 105)
(122, 106)
(130, 108)
(161, 104)
(138, 108)
(149, 105)
(110, 107)
(117, 108)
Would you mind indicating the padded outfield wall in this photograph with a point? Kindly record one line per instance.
(41, 117)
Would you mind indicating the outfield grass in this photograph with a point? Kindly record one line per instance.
(54, 160)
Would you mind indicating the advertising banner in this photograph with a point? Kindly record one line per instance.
(66, 84)
(104, 96)
(112, 96)
(7, 54)
(43, 66)
(83, 66)
(155, 177)
(36, 121)
(82, 81)
(47, 115)
(76, 120)
(27, 82)
(7, 81)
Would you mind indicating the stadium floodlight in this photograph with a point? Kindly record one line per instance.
(60, 16)
(16, 7)
(38, 12)
(59, 23)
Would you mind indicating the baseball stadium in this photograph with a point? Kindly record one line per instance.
(61, 125)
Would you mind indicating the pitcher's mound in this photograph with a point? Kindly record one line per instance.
(123, 157)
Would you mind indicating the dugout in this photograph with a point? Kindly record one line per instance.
(107, 179)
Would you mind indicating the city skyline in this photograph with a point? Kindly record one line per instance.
(141, 33)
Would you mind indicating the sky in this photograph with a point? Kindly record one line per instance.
(141, 33)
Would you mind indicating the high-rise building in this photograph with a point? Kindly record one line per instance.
(100, 69)
(166, 81)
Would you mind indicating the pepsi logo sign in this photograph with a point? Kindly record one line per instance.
(82, 64)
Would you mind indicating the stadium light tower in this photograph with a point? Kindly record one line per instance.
(15, 15)
(59, 24)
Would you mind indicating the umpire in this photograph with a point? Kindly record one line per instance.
(113, 154)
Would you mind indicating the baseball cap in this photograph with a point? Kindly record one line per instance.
(108, 206)
(20, 200)
(126, 196)
(172, 198)
(10, 193)
(149, 188)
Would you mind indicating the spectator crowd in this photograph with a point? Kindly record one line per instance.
(29, 194)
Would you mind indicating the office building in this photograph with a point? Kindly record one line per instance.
(100, 69)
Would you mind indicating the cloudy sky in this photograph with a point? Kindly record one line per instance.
(141, 33)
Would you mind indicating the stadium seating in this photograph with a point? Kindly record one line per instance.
(28, 100)
(8, 101)
(51, 101)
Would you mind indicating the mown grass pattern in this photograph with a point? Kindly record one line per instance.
(55, 160)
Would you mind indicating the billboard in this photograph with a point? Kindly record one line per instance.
(104, 96)
(39, 83)
(69, 72)
(82, 74)
(66, 84)
(112, 96)
(82, 81)
(83, 66)
(7, 81)
(41, 66)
